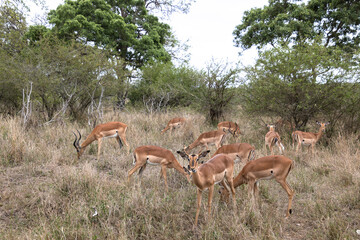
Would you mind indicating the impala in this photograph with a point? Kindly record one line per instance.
(218, 169)
(269, 167)
(272, 138)
(309, 138)
(174, 123)
(105, 130)
(216, 137)
(234, 127)
(154, 155)
(242, 151)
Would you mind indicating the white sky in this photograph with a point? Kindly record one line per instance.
(208, 29)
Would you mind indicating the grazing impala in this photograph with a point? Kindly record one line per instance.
(218, 169)
(234, 128)
(272, 138)
(309, 138)
(269, 167)
(105, 130)
(242, 151)
(216, 137)
(174, 123)
(154, 155)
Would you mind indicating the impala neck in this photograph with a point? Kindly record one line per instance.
(197, 178)
(239, 180)
(87, 141)
(192, 146)
(319, 134)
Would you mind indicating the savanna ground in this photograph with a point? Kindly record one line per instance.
(46, 193)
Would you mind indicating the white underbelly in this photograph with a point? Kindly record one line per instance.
(152, 163)
(112, 136)
(219, 177)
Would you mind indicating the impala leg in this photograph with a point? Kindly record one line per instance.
(211, 192)
(230, 181)
(224, 193)
(123, 138)
(256, 192)
(251, 192)
(199, 195)
(170, 131)
(271, 150)
(99, 148)
(290, 193)
(163, 171)
(119, 141)
(297, 146)
(134, 169)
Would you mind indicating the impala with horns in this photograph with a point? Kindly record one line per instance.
(216, 138)
(174, 123)
(154, 155)
(234, 128)
(269, 167)
(106, 130)
(218, 169)
(272, 138)
(308, 138)
(242, 151)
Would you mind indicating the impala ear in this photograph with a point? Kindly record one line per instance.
(318, 123)
(327, 123)
(183, 155)
(203, 154)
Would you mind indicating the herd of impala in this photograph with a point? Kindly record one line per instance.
(220, 167)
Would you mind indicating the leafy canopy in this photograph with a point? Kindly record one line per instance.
(283, 22)
(124, 27)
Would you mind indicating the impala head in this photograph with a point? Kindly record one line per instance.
(237, 130)
(193, 160)
(77, 146)
(322, 125)
(271, 127)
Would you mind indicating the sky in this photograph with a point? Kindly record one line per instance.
(207, 29)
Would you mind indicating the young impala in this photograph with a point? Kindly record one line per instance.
(269, 167)
(242, 151)
(272, 138)
(155, 155)
(174, 123)
(216, 137)
(101, 131)
(309, 138)
(234, 128)
(218, 169)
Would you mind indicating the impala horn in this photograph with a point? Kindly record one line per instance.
(76, 142)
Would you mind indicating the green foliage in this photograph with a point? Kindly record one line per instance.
(301, 83)
(161, 86)
(284, 22)
(12, 28)
(216, 90)
(125, 28)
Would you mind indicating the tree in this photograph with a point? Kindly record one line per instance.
(301, 83)
(161, 86)
(215, 91)
(285, 22)
(124, 27)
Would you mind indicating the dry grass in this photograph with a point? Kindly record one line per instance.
(46, 193)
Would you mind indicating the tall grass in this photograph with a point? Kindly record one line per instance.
(46, 193)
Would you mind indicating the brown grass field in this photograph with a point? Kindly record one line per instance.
(46, 193)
